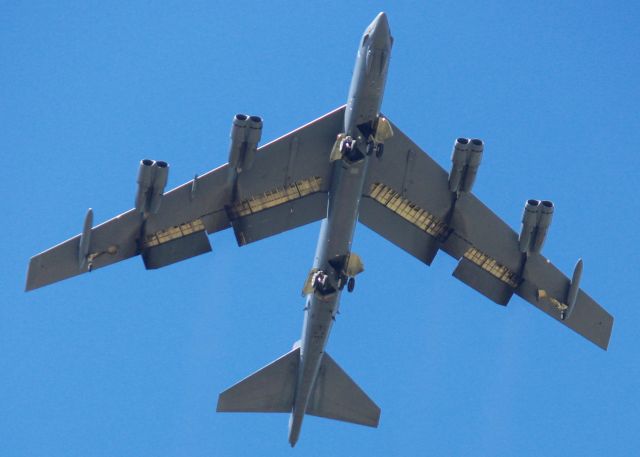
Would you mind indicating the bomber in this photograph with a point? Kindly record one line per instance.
(352, 164)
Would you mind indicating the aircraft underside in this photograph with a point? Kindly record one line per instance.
(352, 164)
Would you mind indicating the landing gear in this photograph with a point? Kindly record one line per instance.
(350, 151)
(320, 280)
(371, 147)
(347, 146)
(351, 284)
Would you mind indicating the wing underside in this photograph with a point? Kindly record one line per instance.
(407, 201)
(286, 187)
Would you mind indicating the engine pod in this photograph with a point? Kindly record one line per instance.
(238, 137)
(529, 223)
(254, 134)
(145, 181)
(159, 183)
(459, 157)
(476, 148)
(544, 221)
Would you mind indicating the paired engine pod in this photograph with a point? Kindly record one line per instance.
(465, 158)
(536, 220)
(544, 221)
(246, 132)
(476, 148)
(152, 179)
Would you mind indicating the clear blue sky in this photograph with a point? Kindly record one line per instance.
(128, 362)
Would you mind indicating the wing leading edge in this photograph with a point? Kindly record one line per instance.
(286, 187)
(408, 201)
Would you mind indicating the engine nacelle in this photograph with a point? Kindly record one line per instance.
(159, 183)
(458, 160)
(254, 134)
(466, 158)
(476, 148)
(237, 136)
(246, 132)
(152, 179)
(145, 181)
(536, 220)
(529, 223)
(544, 221)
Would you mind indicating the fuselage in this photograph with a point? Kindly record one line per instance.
(336, 232)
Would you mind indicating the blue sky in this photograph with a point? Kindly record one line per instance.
(130, 362)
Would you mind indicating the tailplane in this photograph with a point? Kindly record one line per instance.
(272, 389)
(337, 396)
(268, 390)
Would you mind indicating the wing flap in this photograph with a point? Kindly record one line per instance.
(176, 250)
(295, 213)
(399, 231)
(483, 281)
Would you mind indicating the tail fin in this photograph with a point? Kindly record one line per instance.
(268, 390)
(337, 396)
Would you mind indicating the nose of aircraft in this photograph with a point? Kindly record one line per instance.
(380, 32)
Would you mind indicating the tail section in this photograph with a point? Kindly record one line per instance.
(272, 389)
(268, 390)
(337, 396)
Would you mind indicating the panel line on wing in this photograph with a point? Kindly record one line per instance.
(276, 197)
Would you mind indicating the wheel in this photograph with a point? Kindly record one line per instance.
(370, 147)
(318, 282)
(347, 146)
(351, 284)
(379, 150)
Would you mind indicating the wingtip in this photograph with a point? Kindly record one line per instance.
(28, 286)
(605, 343)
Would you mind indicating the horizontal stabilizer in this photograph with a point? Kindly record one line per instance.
(336, 396)
(268, 390)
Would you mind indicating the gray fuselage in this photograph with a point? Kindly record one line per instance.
(336, 232)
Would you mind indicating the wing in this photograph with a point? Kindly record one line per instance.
(407, 200)
(286, 187)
